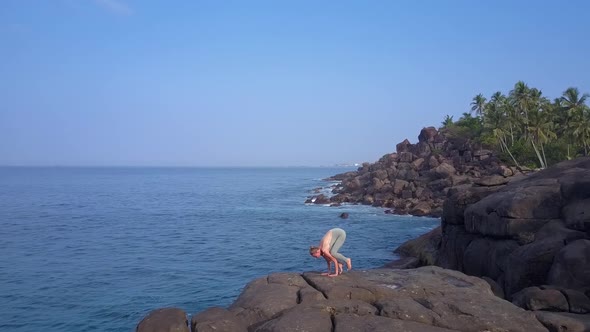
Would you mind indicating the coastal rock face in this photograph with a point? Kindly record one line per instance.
(528, 238)
(531, 232)
(217, 319)
(424, 248)
(417, 177)
(564, 322)
(164, 320)
(571, 266)
(424, 299)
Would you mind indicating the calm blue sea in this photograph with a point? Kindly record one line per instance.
(95, 249)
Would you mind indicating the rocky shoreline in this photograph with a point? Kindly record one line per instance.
(417, 177)
(510, 255)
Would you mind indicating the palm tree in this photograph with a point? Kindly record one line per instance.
(447, 121)
(478, 104)
(541, 124)
(563, 124)
(581, 129)
(573, 104)
(512, 117)
(496, 121)
(495, 105)
(572, 101)
(521, 100)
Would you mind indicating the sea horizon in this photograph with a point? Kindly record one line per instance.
(180, 166)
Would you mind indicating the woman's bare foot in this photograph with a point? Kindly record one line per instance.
(348, 264)
(341, 268)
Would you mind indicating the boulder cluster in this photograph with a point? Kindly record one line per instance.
(529, 238)
(531, 232)
(417, 177)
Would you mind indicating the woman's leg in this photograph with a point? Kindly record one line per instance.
(338, 242)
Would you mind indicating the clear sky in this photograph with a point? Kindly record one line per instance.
(264, 83)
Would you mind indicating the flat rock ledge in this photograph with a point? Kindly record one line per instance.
(428, 298)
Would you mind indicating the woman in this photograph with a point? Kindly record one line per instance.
(328, 248)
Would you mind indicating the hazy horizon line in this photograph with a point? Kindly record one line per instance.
(179, 166)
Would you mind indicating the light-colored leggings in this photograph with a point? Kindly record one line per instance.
(338, 237)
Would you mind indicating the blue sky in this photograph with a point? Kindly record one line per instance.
(264, 83)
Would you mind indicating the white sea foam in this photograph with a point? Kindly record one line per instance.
(391, 286)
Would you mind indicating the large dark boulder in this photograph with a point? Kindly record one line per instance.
(459, 199)
(264, 298)
(305, 317)
(423, 208)
(404, 146)
(557, 228)
(491, 181)
(447, 299)
(571, 266)
(444, 171)
(319, 199)
(427, 135)
(354, 323)
(399, 186)
(454, 243)
(564, 322)
(529, 265)
(405, 157)
(164, 320)
(577, 215)
(217, 319)
(578, 302)
(495, 252)
(510, 212)
(424, 248)
(535, 298)
(422, 149)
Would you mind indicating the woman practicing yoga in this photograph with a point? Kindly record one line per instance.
(328, 248)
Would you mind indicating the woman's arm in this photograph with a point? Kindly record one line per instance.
(329, 262)
(330, 259)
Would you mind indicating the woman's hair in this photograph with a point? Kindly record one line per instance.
(313, 250)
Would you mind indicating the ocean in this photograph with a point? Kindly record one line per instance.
(96, 249)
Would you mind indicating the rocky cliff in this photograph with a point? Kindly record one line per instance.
(417, 177)
(529, 238)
